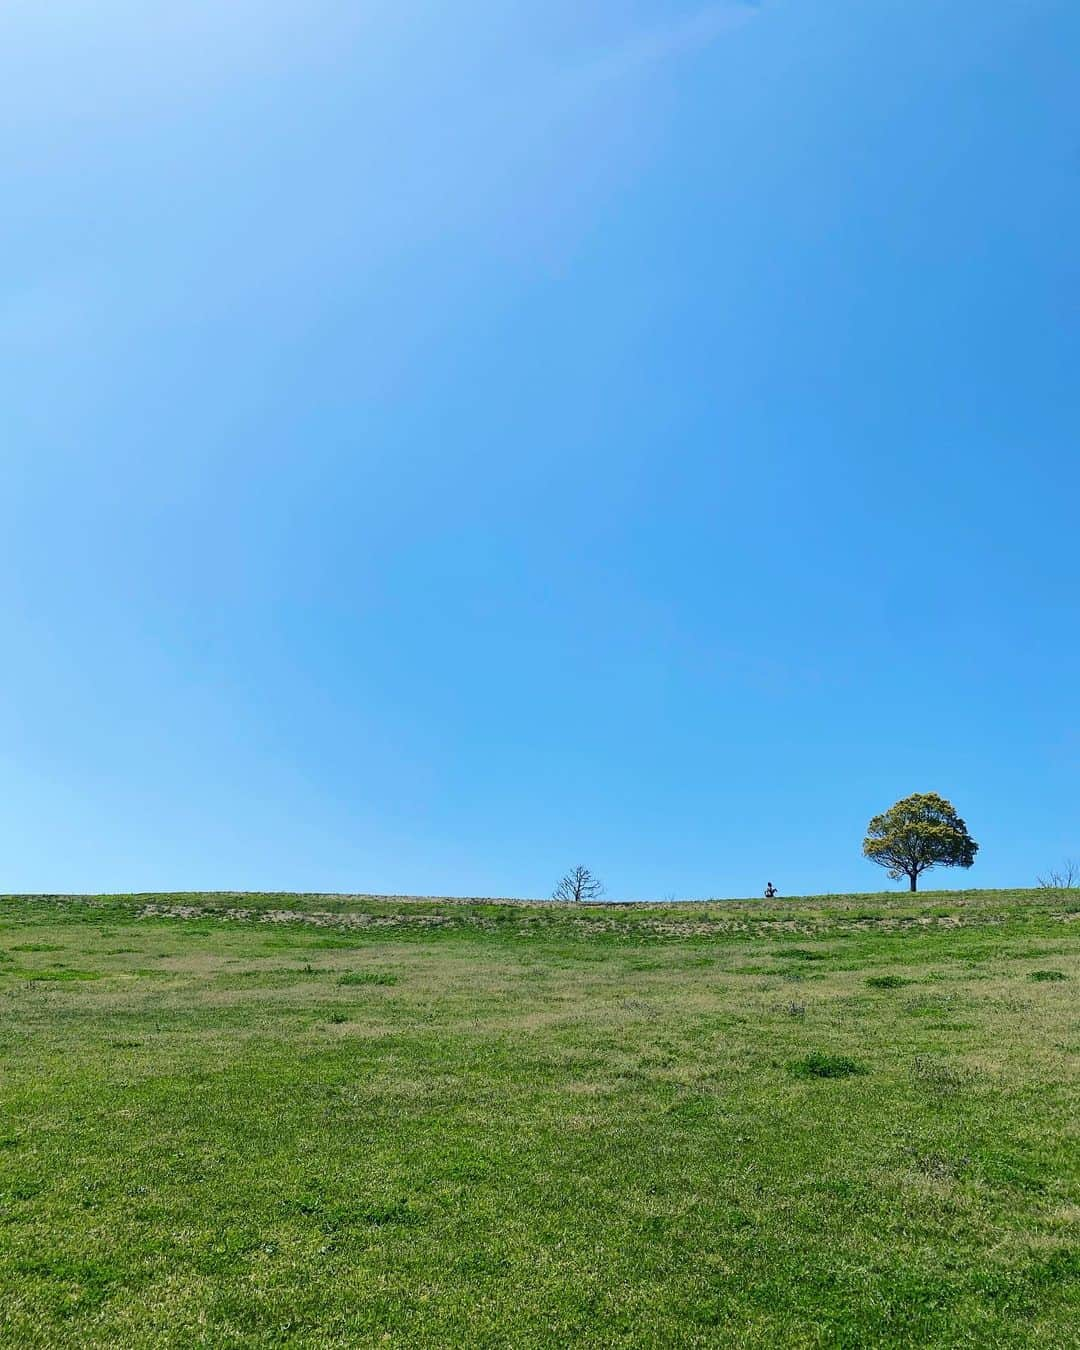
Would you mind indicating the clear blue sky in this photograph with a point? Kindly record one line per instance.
(445, 443)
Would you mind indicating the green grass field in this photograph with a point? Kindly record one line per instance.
(320, 1121)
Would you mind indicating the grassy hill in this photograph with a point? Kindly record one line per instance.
(347, 1120)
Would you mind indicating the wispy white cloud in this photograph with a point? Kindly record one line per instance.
(662, 42)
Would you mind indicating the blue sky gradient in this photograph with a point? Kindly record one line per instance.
(442, 444)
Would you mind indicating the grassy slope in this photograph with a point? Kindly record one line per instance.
(430, 1123)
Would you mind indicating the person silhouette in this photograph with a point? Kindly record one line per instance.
(770, 891)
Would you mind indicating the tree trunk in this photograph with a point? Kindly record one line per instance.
(914, 876)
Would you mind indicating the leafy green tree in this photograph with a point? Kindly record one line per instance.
(918, 833)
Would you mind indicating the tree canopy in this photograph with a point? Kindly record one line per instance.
(920, 832)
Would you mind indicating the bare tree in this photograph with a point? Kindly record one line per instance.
(1067, 879)
(580, 884)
